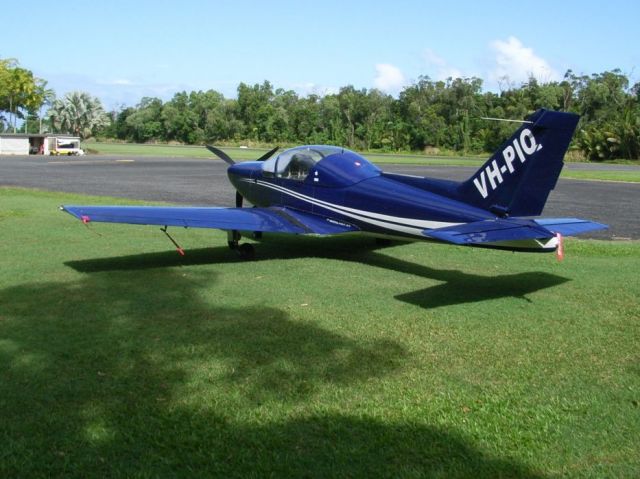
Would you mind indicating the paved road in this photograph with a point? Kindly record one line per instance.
(204, 182)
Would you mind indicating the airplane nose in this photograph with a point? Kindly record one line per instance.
(245, 169)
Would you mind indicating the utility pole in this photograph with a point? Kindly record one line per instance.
(13, 113)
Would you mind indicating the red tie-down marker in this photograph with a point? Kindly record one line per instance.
(559, 248)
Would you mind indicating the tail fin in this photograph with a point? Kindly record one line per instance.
(517, 179)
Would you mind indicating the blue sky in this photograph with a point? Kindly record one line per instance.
(121, 51)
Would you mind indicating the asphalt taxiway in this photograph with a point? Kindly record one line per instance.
(188, 181)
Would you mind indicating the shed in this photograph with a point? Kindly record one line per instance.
(14, 144)
(39, 144)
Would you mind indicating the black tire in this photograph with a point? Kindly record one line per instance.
(246, 251)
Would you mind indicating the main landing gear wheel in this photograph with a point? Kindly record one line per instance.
(233, 238)
(244, 250)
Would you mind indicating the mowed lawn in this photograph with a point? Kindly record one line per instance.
(322, 358)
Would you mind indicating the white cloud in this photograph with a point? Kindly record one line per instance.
(113, 93)
(443, 69)
(115, 82)
(306, 89)
(388, 78)
(518, 63)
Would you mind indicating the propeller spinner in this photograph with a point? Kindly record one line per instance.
(223, 156)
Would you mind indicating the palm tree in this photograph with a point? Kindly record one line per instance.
(78, 113)
(48, 97)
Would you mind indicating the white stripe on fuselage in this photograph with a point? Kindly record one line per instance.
(395, 223)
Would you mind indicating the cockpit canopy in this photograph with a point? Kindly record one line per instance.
(296, 163)
(322, 165)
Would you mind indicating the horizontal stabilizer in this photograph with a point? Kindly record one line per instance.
(569, 226)
(270, 220)
(489, 231)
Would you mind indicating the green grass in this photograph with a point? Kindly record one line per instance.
(323, 358)
(629, 176)
(178, 151)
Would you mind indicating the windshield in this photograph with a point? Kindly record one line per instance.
(296, 163)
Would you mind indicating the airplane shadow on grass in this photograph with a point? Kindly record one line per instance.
(457, 287)
(104, 377)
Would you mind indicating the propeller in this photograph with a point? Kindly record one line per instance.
(220, 154)
(223, 156)
(268, 154)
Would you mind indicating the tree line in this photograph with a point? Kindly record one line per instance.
(429, 115)
(22, 95)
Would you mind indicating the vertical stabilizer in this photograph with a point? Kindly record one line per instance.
(517, 179)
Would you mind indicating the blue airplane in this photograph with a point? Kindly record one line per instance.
(327, 190)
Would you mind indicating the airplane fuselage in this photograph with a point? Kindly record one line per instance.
(406, 211)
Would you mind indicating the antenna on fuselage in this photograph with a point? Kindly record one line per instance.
(504, 119)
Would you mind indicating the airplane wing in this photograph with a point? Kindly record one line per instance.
(511, 229)
(270, 220)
